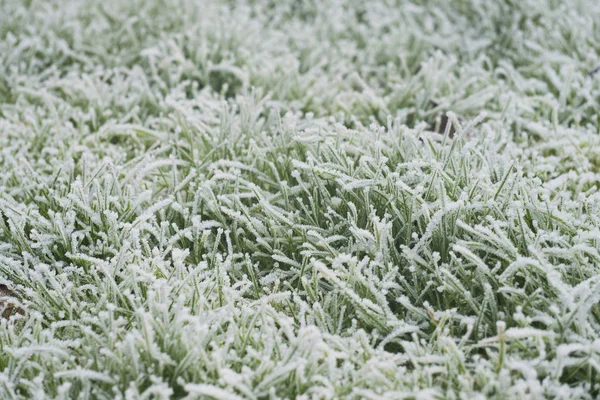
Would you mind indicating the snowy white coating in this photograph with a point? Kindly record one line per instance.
(391, 199)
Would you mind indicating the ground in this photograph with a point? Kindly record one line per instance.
(299, 199)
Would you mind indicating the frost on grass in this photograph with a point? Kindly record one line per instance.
(299, 199)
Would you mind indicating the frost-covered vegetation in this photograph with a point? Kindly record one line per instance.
(299, 199)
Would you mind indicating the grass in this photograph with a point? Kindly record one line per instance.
(299, 199)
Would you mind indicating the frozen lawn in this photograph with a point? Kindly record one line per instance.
(353, 199)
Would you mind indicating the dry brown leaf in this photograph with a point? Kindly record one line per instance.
(6, 306)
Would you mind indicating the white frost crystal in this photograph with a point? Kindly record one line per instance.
(299, 199)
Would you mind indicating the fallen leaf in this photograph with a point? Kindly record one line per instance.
(6, 306)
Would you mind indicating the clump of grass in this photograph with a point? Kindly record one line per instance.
(299, 200)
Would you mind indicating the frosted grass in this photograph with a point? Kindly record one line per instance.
(299, 199)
